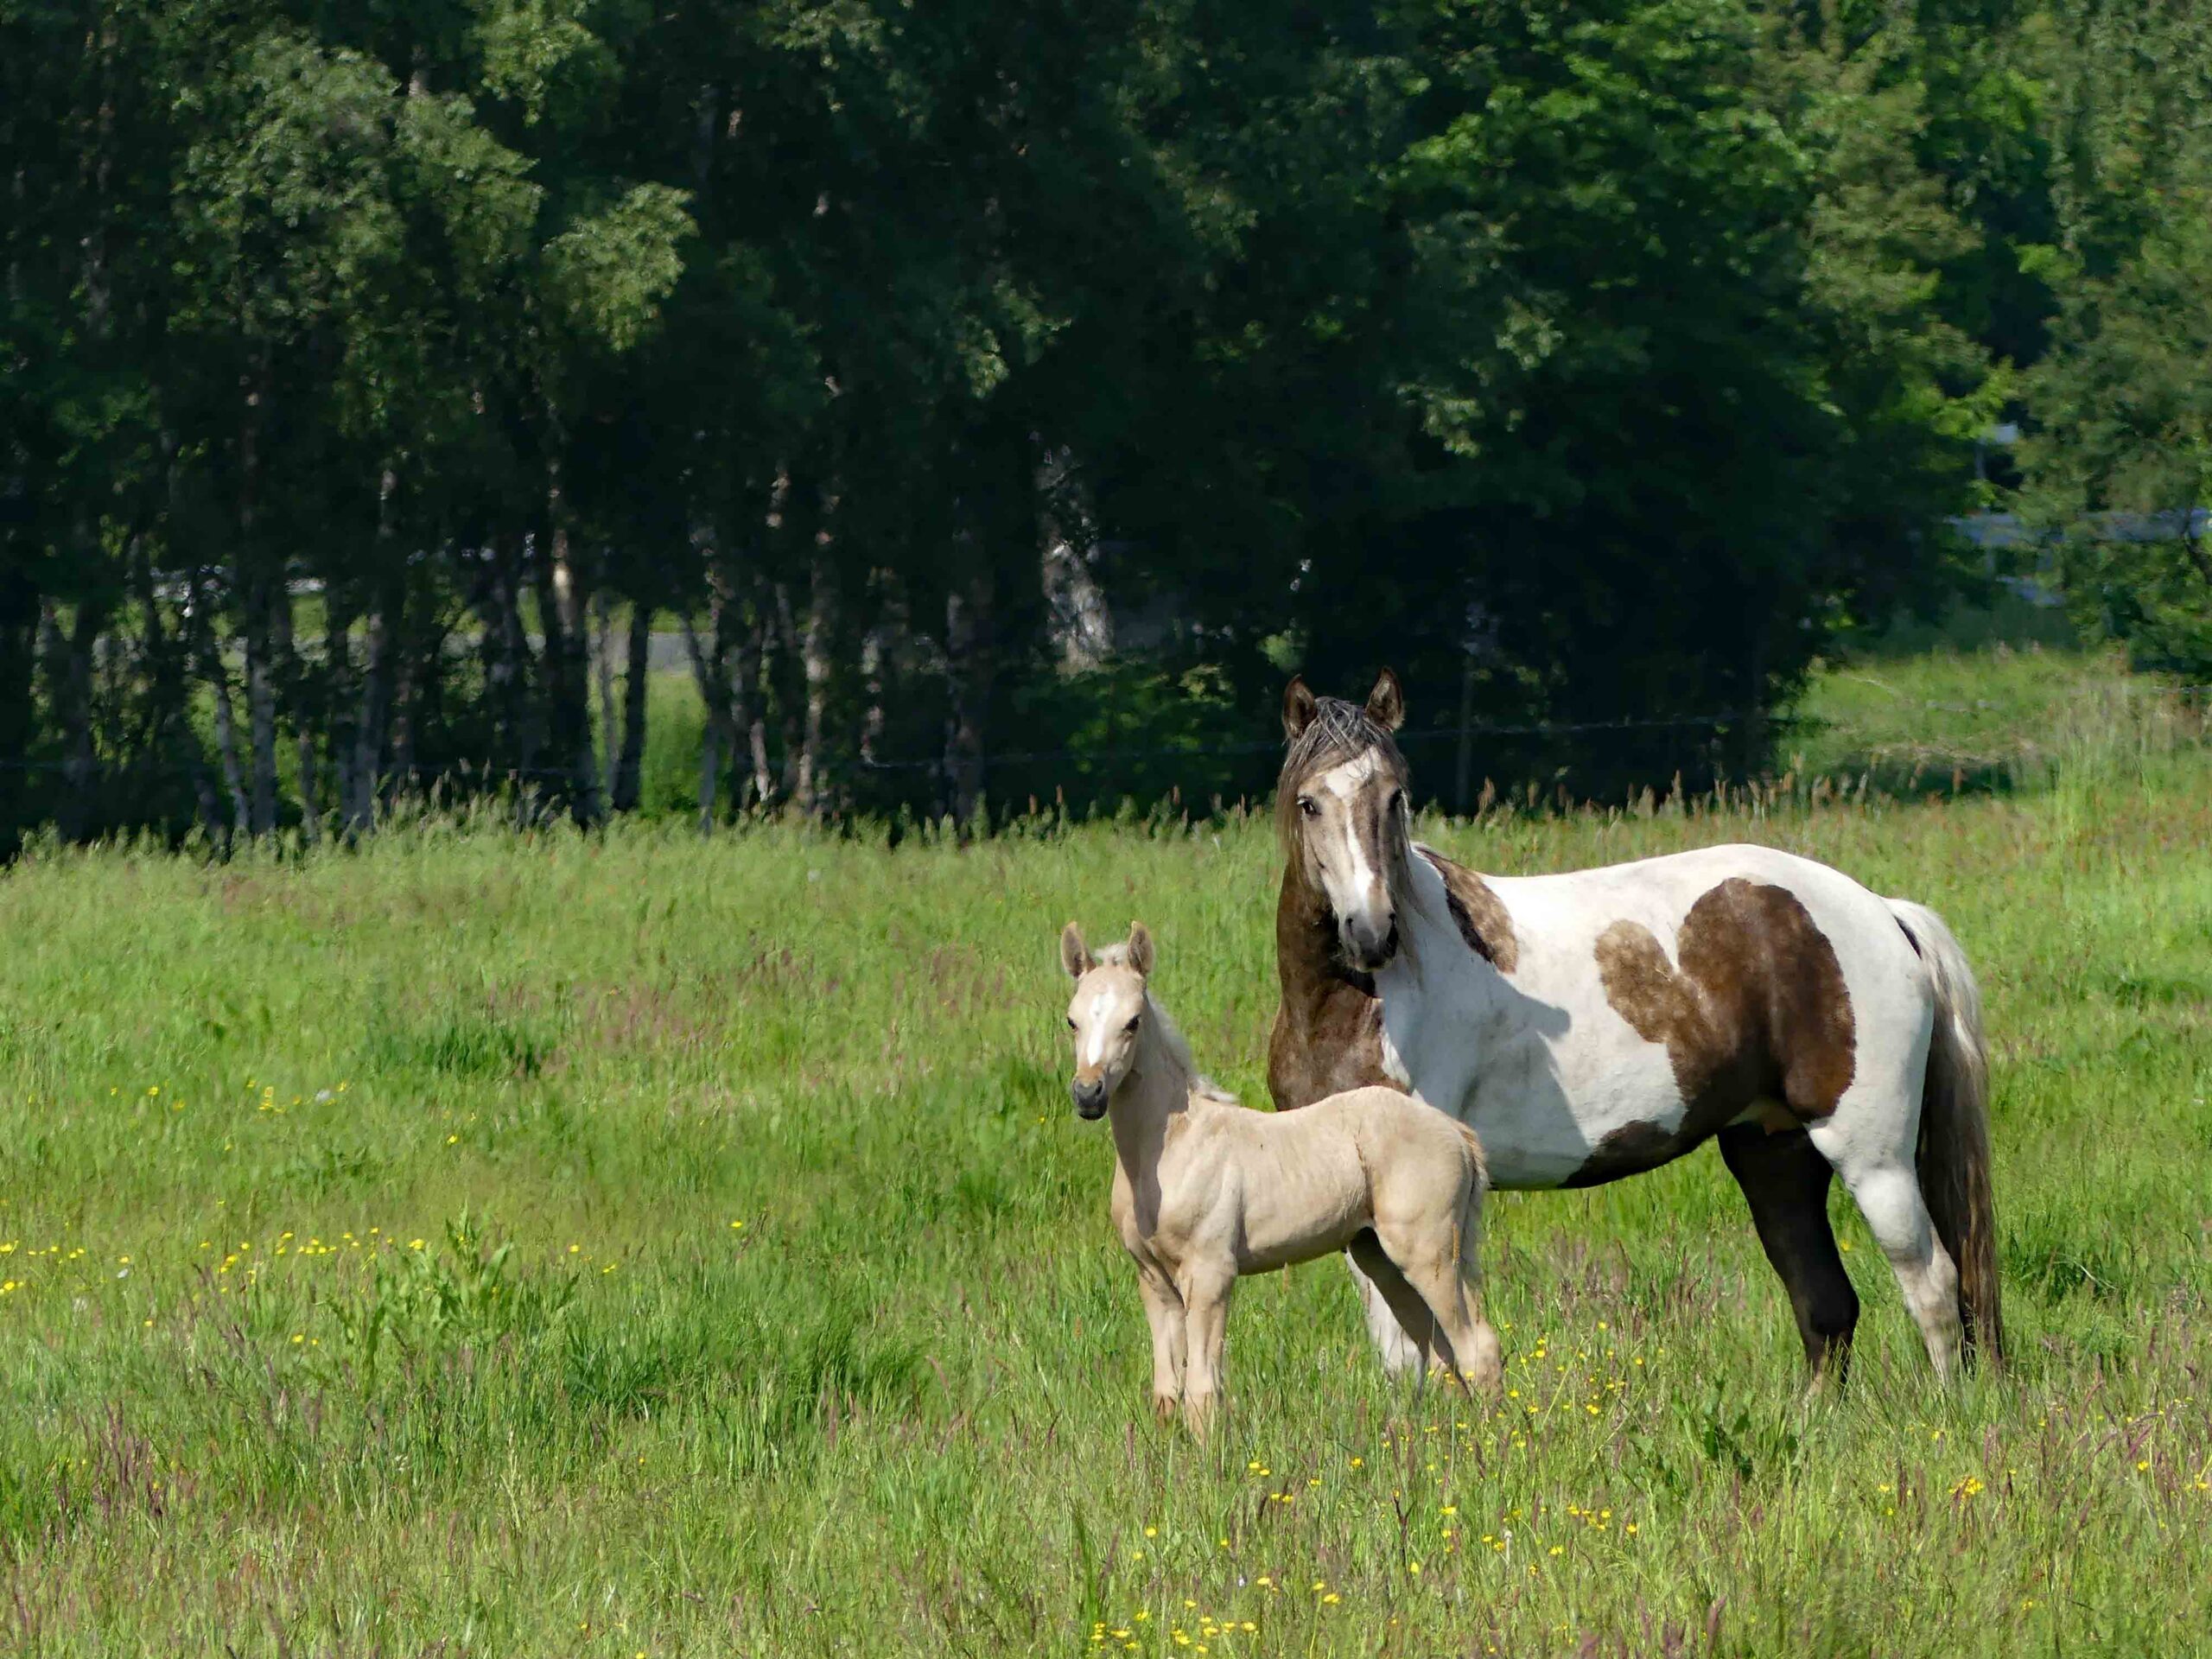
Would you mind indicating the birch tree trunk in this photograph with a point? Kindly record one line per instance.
(562, 607)
(601, 650)
(629, 768)
(811, 795)
(376, 706)
(226, 735)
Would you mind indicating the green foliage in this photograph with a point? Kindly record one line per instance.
(2119, 463)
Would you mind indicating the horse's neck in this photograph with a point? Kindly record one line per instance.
(1156, 1090)
(1305, 962)
(1435, 960)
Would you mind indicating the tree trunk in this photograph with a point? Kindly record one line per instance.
(876, 652)
(629, 768)
(227, 735)
(376, 706)
(967, 668)
(747, 711)
(601, 650)
(296, 689)
(73, 711)
(338, 679)
(261, 705)
(811, 794)
(714, 699)
(19, 611)
(509, 654)
(560, 605)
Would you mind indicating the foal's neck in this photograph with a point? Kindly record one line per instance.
(1155, 1090)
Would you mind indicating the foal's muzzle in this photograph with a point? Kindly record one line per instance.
(1089, 1098)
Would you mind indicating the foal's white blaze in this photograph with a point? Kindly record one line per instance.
(1096, 1052)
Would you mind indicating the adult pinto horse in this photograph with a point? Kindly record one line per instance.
(1598, 1024)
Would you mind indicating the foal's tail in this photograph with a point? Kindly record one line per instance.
(1955, 1128)
(1470, 1206)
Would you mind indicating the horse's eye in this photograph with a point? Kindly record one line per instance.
(1308, 808)
(1071, 1022)
(1132, 1025)
(1397, 799)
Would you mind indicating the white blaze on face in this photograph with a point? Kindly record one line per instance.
(1095, 1049)
(1345, 863)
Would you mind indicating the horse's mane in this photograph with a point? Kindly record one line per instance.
(1339, 732)
(1165, 1032)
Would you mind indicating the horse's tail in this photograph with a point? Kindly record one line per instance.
(1953, 1153)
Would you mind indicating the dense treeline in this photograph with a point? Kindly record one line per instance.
(980, 392)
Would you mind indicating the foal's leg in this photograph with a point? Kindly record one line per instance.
(1887, 1190)
(1440, 1266)
(1785, 1181)
(1393, 1307)
(1204, 1287)
(1163, 1311)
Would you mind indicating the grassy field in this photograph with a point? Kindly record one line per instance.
(645, 1245)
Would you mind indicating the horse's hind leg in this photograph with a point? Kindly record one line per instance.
(1786, 1180)
(1887, 1190)
(1399, 1320)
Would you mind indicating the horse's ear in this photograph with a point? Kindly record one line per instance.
(1141, 949)
(1075, 955)
(1297, 707)
(1386, 703)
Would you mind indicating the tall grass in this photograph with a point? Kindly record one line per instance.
(541, 1245)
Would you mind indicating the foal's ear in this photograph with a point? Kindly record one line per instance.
(1297, 709)
(1386, 703)
(1141, 949)
(1075, 955)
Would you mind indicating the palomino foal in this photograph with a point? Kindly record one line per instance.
(1205, 1189)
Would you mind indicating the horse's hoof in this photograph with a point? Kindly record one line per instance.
(1165, 1406)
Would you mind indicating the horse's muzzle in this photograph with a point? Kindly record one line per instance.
(1364, 950)
(1090, 1099)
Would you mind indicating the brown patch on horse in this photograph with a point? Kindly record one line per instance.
(1479, 913)
(1753, 1010)
(1328, 1029)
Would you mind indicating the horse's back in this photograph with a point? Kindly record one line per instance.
(1651, 1003)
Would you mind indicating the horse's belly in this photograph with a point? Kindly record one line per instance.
(1542, 1127)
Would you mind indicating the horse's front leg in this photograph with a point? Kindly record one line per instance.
(1163, 1311)
(1204, 1287)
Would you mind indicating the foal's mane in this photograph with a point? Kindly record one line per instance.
(1165, 1031)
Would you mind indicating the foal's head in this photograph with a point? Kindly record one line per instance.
(1106, 1014)
(1340, 808)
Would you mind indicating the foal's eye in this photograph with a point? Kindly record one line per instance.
(1132, 1025)
(1071, 1022)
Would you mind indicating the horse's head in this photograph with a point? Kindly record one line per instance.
(1106, 1014)
(1340, 806)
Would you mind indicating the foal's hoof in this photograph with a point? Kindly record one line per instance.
(1165, 1408)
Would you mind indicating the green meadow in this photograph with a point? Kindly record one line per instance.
(485, 1243)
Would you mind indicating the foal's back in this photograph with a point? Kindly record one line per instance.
(1306, 1182)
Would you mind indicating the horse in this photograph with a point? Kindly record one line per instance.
(1205, 1189)
(1594, 1025)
